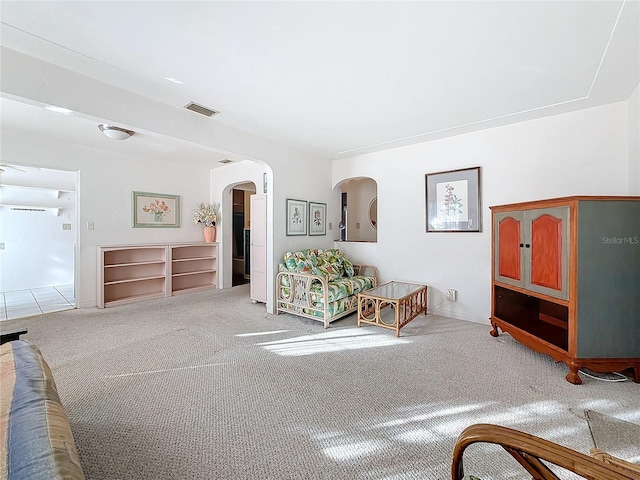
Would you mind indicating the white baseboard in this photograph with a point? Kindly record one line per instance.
(460, 316)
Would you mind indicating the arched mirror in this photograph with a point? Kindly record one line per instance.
(373, 213)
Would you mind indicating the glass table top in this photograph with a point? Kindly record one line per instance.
(393, 290)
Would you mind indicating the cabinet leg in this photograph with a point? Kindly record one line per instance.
(636, 374)
(572, 376)
(494, 332)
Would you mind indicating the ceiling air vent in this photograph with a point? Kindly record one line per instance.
(194, 107)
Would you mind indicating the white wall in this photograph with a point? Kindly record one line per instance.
(577, 153)
(293, 174)
(583, 152)
(104, 197)
(38, 252)
(106, 182)
(294, 178)
(634, 142)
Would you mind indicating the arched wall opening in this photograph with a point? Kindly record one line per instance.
(228, 183)
(357, 202)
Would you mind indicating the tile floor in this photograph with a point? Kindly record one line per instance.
(24, 303)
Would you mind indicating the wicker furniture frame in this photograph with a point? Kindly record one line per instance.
(299, 302)
(408, 300)
(530, 451)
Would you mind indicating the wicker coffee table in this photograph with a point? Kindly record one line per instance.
(405, 301)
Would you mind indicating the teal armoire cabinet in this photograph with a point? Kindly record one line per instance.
(566, 280)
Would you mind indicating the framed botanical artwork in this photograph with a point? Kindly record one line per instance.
(453, 200)
(317, 218)
(155, 210)
(296, 217)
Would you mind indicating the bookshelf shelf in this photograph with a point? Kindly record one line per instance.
(132, 273)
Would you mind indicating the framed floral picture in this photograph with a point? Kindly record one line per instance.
(317, 218)
(155, 210)
(453, 200)
(296, 217)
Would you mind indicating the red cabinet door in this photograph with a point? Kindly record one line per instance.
(548, 251)
(509, 256)
(532, 251)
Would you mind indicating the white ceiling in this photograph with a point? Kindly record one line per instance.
(34, 187)
(337, 78)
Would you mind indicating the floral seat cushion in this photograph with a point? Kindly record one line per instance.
(341, 288)
(329, 263)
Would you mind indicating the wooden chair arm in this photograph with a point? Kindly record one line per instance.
(530, 450)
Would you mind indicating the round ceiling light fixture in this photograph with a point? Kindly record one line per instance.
(115, 133)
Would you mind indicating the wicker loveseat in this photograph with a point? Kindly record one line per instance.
(321, 284)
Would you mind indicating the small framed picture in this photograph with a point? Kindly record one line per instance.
(453, 200)
(317, 218)
(155, 210)
(296, 217)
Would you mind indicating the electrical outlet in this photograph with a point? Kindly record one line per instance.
(452, 295)
(90, 226)
(66, 226)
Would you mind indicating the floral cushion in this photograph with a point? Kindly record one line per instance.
(299, 262)
(349, 271)
(329, 263)
(330, 271)
(341, 288)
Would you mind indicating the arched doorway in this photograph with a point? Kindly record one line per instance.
(252, 176)
(241, 232)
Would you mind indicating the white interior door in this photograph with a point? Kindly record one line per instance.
(259, 247)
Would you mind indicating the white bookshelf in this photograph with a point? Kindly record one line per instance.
(193, 267)
(129, 274)
(133, 273)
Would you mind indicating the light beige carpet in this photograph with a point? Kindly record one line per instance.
(207, 385)
(617, 437)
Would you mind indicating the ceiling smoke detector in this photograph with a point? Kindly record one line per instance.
(115, 133)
